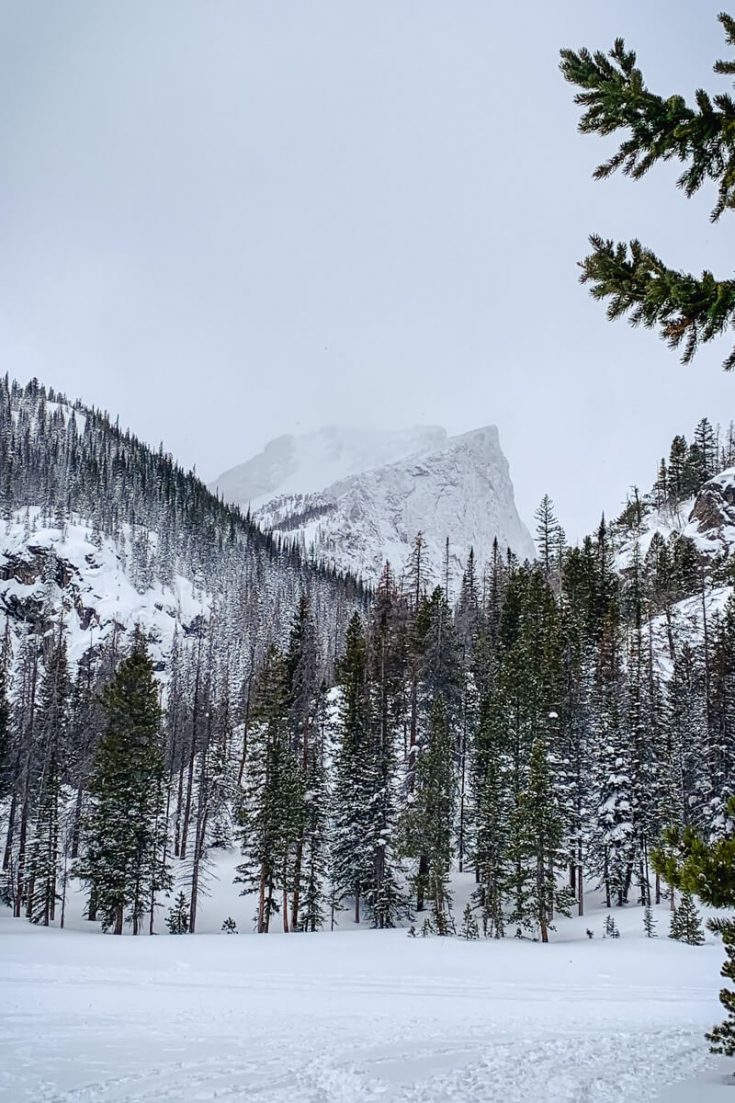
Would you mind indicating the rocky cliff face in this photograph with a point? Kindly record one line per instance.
(712, 519)
(459, 489)
(51, 571)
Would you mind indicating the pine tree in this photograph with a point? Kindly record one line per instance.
(649, 923)
(177, 919)
(229, 926)
(686, 924)
(314, 856)
(302, 662)
(430, 817)
(273, 808)
(687, 310)
(350, 859)
(493, 801)
(611, 928)
(124, 831)
(384, 894)
(51, 728)
(470, 930)
(722, 1036)
(549, 539)
(537, 849)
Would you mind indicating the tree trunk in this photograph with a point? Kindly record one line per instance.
(10, 832)
(580, 888)
(420, 888)
(21, 868)
(261, 903)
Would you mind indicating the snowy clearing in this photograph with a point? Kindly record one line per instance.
(357, 1015)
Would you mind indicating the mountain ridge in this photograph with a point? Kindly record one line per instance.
(455, 489)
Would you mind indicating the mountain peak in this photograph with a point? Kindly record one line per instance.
(305, 463)
(385, 488)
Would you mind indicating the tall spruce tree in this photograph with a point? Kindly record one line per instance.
(538, 850)
(350, 858)
(273, 810)
(124, 832)
(430, 818)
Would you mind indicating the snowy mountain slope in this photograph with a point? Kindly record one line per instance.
(63, 571)
(706, 524)
(707, 520)
(307, 463)
(103, 531)
(461, 490)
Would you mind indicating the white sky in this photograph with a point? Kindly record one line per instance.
(230, 219)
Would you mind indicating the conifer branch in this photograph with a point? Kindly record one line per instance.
(689, 311)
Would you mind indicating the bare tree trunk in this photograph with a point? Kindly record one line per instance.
(179, 813)
(261, 901)
(192, 756)
(9, 836)
(246, 724)
(64, 884)
(462, 791)
(580, 889)
(77, 822)
(21, 865)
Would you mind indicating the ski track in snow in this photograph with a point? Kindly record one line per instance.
(334, 1018)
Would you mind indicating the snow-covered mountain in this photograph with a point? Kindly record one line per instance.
(445, 487)
(106, 536)
(307, 463)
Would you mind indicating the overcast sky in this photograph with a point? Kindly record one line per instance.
(226, 220)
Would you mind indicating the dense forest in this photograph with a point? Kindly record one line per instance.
(355, 747)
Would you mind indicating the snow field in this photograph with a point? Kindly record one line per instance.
(358, 1015)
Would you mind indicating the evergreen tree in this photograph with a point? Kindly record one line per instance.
(430, 817)
(351, 864)
(51, 731)
(722, 1036)
(549, 539)
(470, 930)
(493, 802)
(611, 928)
(384, 894)
(538, 835)
(273, 810)
(686, 924)
(649, 923)
(177, 919)
(124, 830)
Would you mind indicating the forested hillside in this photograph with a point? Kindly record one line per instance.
(354, 749)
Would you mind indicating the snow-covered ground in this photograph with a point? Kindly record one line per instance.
(358, 1015)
